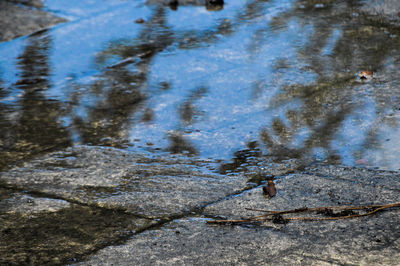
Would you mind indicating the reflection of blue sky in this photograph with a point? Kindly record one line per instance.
(232, 111)
(388, 154)
(231, 116)
(9, 52)
(351, 136)
(76, 44)
(331, 42)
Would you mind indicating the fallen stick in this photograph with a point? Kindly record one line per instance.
(266, 217)
(347, 216)
(321, 209)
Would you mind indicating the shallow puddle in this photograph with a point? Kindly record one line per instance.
(250, 77)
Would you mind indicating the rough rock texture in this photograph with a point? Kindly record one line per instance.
(303, 190)
(68, 204)
(368, 240)
(39, 231)
(106, 177)
(17, 20)
(33, 3)
(385, 9)
(372, 177)
(106, 203)
(17, 202)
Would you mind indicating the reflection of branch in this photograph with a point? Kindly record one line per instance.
(346, 212)
(180, 145)
(130, 60)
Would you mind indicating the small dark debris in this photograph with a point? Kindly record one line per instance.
(139, 21)
(278, 219)
(366, 74)
(165, 85)
(326, 212)
(215, 2)
(173, 4)
(270, 189)
(331, 196)
(331, 213)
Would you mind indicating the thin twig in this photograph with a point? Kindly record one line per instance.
(342, 217)
(229, 221)
(265, 217)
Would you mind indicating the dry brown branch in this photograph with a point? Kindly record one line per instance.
(266, 217)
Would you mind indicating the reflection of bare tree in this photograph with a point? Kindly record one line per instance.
(188, 110)
(188, 113)
(38, 122)
(4, 124)
(121, 87)
(327, 102)
(36, 127)
(105, 122)
(179, 144)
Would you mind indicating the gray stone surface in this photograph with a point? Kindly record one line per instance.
(372, 240)
(373, 177)
(55, 238)
(153, 187)
(86, 198)
(18, 202)
(192, 242)
(101, 201)
(17, 20)
(33, 3)
(385, 9)
(36, 230)
(303, 190)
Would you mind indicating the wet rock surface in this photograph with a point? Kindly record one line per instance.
(119, 140)
(367, 240)
(38, 230)
(62, 236)
(152, 187)
(19, 20)
(383, 10)
(84, 198)
(17, 202)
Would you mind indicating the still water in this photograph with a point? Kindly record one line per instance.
(249, 78)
